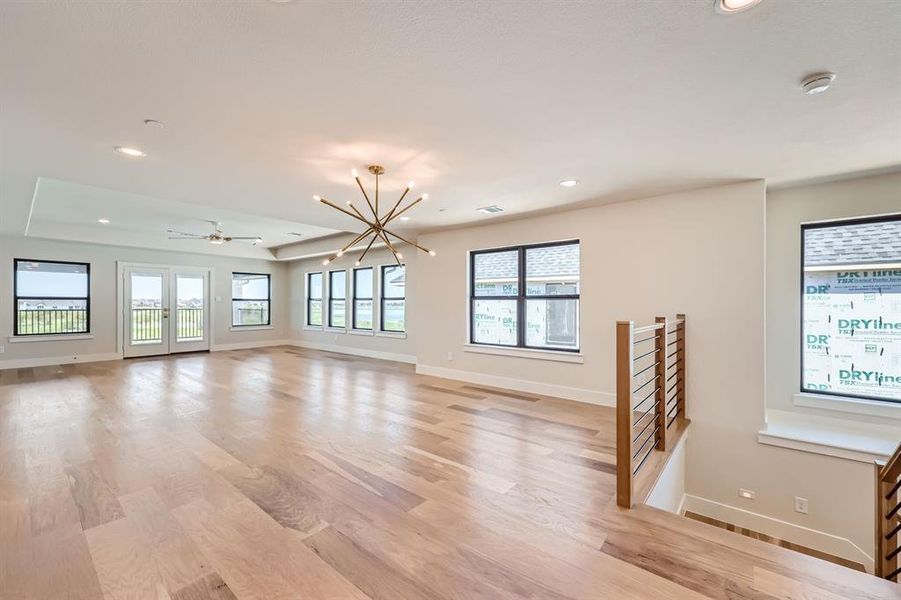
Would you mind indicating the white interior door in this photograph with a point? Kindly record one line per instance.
(146, 311)
(167, 310)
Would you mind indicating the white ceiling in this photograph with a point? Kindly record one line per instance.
(266, 104)
(64, 210)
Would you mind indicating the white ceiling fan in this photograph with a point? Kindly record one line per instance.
(216, 237)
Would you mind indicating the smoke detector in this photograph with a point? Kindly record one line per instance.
(817, 83)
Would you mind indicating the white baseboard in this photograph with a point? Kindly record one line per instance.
(393, 356)
(48, 361)
(248, 345)
(681, 509)
(522, 385)
(797, 534)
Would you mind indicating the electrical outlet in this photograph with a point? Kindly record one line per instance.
(450, 356)
(2, 349)
(801, 505)
(746, 493)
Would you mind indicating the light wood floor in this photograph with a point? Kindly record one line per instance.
(284, 474)
(772, 540)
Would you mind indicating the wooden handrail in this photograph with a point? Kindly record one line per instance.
(644, 328)
(888, 523)
(644, 419)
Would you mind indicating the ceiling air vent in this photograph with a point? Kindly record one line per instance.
(490, 210)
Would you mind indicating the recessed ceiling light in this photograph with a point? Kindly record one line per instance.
(490, 210)
(570, 182)
(734, 6)
(103, 221)
(817, 83)
(133, 152)
(405, 218)
(153, 123)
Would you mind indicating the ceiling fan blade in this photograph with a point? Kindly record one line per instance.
(185, 233)
(255, 237)
(187, 237)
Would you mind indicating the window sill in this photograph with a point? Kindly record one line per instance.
(841, 438)
(401, 335)
(335, 330)
(250, 327)
(51, 338)
(845, 404)
(552, 355)
(312, 327)
(361, 332)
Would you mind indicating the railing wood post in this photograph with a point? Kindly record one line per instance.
(880, 528)
(660, 394)
(624, 373)
(885, 502)
(680, 356)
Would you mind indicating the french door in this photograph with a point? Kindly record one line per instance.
(166, 310)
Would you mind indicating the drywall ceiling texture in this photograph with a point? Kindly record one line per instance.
(266, 104)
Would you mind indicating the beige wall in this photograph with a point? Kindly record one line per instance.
(699, 252)
(391, 347)
(704, 253)
(104, 308)
(840, 491)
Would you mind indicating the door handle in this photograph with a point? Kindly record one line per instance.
(165, 313)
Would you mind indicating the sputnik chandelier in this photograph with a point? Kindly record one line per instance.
(376, 227)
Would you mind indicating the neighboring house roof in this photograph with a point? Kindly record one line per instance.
(554, 261)
(867, 243)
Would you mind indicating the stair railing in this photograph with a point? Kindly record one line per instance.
(888, 517)
(650, 395)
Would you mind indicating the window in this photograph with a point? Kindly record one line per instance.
(250, 299)
(393, 300)
(314, 299)
(51, 297)
(337, 299)
(526, 296)
(851, 308)
(362, 318)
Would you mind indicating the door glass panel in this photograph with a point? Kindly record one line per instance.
(189, 302)
(146, 308)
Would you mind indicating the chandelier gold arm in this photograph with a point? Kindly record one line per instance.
(365, 220)
(397, 256)
(365, 195)
(346, 212)
(403, 210)
(396, 204)
(405, 240)
(354, 241)
(362, 256)
(348, 246)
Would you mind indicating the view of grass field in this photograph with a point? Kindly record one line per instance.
(51, 321)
